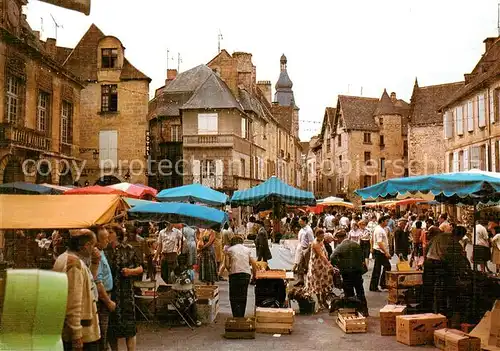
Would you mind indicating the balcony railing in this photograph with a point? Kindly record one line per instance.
(215, 182)
(220, 140)
(25, 137)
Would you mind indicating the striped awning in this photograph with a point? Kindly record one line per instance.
(274, 190)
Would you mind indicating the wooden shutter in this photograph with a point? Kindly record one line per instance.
(448, 125)
(219, 172)
(196, 170)
(113, 147)
(459, 116)
(455, 162)
(486, 157)
(492, 106)
(470, 116)
(104, 148)
(481, 110)
(493, 156)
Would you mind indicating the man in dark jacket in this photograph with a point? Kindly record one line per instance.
(401, 239)
(348, 258)
(262, 243)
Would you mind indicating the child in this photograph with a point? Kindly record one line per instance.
(183, 286)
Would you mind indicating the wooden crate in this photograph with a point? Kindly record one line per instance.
(271, 274)
(351, 321)
(206, 292)
(405, 279)
(274, 320)
(240, 328)
(207, 312)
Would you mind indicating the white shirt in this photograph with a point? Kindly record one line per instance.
(250, 228)
(329, 222)
(240, 259)
(380, 235)
(355, 235)
(169, 240)
(306, 236)
(482, 236)
(344, 221)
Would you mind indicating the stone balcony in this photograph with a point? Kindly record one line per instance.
(220, 141)
(218, 182)
(12, 135)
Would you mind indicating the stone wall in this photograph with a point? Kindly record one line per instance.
(426, 150)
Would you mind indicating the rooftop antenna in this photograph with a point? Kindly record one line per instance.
(348, 88)
(57, 25)
(179, 61)
(361, 91)
(41, 25)
(168, 58)
(219, 38)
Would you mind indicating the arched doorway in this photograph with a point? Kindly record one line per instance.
(43, 174)
(13, 172)
(108, 180)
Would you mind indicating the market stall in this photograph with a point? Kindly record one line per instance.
(193, 193)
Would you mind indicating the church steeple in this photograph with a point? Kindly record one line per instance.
(284, 92)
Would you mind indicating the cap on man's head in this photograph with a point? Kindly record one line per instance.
(80, 232)
(402, 220)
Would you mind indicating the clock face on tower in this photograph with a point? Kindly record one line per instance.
(13, 13)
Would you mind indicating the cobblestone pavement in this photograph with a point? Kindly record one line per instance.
(317, 332)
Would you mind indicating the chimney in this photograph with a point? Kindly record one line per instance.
(171, 74)
(488, 42)
(50, 47)
(36, 33)
(245, 69)
(265, 87)
(393, 97)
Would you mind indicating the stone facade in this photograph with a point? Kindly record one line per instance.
(37, 96)
(114, 108)
(471, 117)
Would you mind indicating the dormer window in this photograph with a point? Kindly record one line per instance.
(109, 58)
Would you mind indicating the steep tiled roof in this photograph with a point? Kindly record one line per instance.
(284, 116)
(305, 147)
(328, 119)
(385, 106)
(168, 104)
(426, 101)
(62, 54)
(251, 103)
(358, 112)
(211, 94)
(82, 60)
(190, 80)
(486, 70)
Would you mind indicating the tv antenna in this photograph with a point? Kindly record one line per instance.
(57, 25)
(219, 39)
(41, 25)
(179, 61)
(169, 58)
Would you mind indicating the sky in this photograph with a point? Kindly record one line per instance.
(350, 47)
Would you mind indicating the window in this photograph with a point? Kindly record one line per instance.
(405, 148)
(497, 104)
(329, 186)
(108, 148)
(244, 128)
(448, 124)
(207, 123)
(109, 98)
(475, 157)
(339, 140)
(459, 117)
(368, 156)
(481, 112)
(243, 170)
(207, 168)
(382, 167)
(13, 99)
(367, 138)
(109, 58)
(382, 143)
(340, 161)
(470, 116)
(328, 145)
(66, 120)
(175, 135)
(460, 161)
(42, 114)
(492, 106)
(381, 121)
(367, 181)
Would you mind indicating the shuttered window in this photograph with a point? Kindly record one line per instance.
(459, 119)
(470, 116)
(108, 148)
(481, 110)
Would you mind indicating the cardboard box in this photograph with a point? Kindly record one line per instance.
(455, 340)
(388, 318)
(404, 279)
(494, 338)
(418, 329)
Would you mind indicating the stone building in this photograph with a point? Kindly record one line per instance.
(324, 147)
(426, 145)
(224, 126)
(369, 142)
(114, 107)
(310, 173)
(39, 105)
(471, 116)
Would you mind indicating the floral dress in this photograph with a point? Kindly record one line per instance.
(122, 322)
(319, 278)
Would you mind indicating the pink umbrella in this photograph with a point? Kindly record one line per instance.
(135, 190)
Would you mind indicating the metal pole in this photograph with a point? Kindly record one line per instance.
(474, 282)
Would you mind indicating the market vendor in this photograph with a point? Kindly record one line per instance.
(169, 247)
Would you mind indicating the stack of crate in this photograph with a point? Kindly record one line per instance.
(401, 284)
(240, 328)
(274, 320)
(207, 302)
